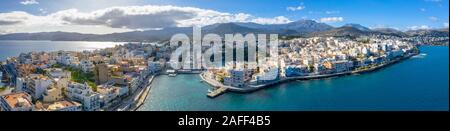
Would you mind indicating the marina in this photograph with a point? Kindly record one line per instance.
(186, 92)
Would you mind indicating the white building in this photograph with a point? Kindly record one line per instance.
(20, 84)
(341, 66)
(36, 85)
(268, 75)
(83, 93)
(52, 94)
(154, 66)
(296, 70)
(236, 78)
(107, 96)
(67, 59)
(86, 66)
(59, 76)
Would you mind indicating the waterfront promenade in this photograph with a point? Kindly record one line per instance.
(134, 101)
(251, 88)
(139, 101)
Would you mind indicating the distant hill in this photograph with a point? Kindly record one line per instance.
(428, 33)
(230, 28)
(342, 32)
(301, 27)
(357, 26)
(390, 31)
(57, 36)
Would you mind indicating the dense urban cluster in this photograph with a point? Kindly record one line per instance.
(113, 78)
(418, 40)
(315, 57)
(78, 81)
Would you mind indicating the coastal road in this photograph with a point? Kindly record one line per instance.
(129, 101)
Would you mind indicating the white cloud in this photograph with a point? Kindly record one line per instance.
(432, 18)
(125, 18)
(424, 27)
(15, 17)
(301, 7)
(379, 26)
(141, 17)
(446, 24)
(276, 20)
(43, 11)
(331, 19)
(133, 17)
(423, 9)
(332, 12)
(29, 2)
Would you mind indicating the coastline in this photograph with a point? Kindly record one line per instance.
(137, 99)
(387, 89)
(252, 88)
(143, 95)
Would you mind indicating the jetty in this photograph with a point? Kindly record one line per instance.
(216, 92)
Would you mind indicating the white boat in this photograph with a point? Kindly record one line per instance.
(172, 75)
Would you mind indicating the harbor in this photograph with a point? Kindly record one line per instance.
(250, 88)
(186, 92)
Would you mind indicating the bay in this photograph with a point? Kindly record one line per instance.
(9, 48)
(416, 84)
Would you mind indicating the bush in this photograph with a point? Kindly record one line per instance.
(81, 77)
(56, 66)
(2, 88)
(92, 85)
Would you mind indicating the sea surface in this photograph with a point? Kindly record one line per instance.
(9, 48)
(418, 83)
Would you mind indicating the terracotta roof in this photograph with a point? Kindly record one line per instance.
(17, 100)
(62, 104)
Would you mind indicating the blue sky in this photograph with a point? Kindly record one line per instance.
(400, 14)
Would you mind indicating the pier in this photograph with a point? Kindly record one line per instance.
(216, 92)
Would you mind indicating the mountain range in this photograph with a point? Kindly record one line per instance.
(301, 28)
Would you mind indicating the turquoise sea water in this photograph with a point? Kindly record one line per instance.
(418, 83)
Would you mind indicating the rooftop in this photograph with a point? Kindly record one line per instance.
(18, 100)
(62, 104)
